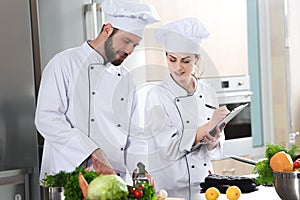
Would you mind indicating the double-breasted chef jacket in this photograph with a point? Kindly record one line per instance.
(171, 121)
(83, 105)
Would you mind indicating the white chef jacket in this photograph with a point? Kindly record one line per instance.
(172, 118)
(83, 105)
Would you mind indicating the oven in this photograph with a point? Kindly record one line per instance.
(232, 92)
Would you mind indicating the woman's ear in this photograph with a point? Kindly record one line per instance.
(198, 58)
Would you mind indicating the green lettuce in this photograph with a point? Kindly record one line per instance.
(107, 187)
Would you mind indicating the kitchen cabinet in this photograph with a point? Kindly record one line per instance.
(230, 167)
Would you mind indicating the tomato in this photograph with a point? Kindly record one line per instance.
(297, 164)
(138, 194)
(140, 186)
(131, 190)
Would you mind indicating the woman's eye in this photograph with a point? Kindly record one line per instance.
(172, 60)
(186, 61)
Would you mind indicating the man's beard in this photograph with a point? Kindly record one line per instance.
(111, 53)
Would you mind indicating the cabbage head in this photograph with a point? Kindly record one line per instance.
(107, 187)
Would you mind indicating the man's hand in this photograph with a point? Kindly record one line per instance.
(148, 176)
(100, 163)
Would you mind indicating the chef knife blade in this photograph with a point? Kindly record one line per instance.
(244, 160)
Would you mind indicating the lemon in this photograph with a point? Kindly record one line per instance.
(212, 193)
(233, 192)
(281, 162)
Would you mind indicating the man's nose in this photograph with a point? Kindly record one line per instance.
(129, 49)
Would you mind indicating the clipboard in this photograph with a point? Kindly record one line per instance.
(225, 120)
(228, 118)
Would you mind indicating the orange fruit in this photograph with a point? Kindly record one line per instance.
(233, 192)
(212, 193)
(281, 162)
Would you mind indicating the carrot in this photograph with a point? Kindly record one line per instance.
(83, 184)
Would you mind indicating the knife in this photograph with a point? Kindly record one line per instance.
(244, 160)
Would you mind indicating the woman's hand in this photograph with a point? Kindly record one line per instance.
(203, 136)
(100, 163)
(212, 142)
(219, 114)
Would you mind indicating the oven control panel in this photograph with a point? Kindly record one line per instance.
(226, 84)
(234, 89)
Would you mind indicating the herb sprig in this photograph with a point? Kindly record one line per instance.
(56, 180)
(69, 181)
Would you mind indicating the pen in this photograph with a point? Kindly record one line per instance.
(209, 106)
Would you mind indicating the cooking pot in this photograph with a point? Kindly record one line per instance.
(52, 193)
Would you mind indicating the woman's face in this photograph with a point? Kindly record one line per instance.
(181, 65)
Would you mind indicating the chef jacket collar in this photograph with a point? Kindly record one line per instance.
(177, 89)
(92, 54)
(114, 69)
(97, 58)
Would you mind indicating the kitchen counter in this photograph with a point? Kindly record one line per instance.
(262, 193)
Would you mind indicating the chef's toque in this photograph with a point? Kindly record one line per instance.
(130, 16)
(182, 36)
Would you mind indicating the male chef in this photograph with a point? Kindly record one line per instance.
(85, 97)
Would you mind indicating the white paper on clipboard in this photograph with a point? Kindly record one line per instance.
(226, 119)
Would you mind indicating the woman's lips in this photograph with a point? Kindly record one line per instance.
(179, 73)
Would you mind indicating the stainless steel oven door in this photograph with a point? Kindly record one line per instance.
(238, 133)
(240, 125)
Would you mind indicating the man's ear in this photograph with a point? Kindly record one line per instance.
(108, 29)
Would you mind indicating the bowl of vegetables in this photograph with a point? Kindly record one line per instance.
(287, 185)
(281, 169)
(286, 175)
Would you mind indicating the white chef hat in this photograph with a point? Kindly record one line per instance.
(129, 16)
(183, 35)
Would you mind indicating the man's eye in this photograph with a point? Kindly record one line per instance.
(172, 60)
(186, 61)
(126, 41)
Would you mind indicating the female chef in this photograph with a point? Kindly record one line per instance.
(179, 114)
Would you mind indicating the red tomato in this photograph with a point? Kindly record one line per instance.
(138, 194)
(297, 164)
(131, 190)
(140, 186)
